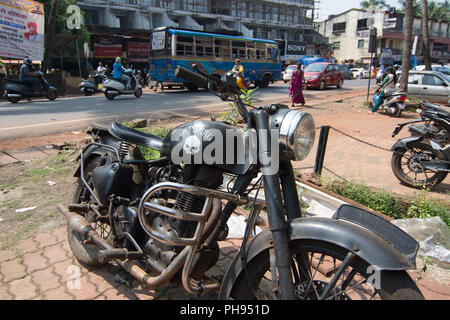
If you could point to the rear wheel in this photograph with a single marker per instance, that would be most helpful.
(265, 81)
(51, 95)
(339, 85)
(191, 87)
(86, 254)
(407, 165)
(13, 99)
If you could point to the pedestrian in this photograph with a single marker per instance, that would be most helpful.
(296, 86)
(101, 69)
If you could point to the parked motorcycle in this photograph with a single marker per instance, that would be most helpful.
(16, 89)
(423, 159)
(162, 219)
(114, 87)
(394, 101)
(92, 85)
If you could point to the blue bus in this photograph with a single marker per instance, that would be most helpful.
(214, 53)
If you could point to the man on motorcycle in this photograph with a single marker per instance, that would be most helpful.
(238, 72)
(119, 73)
(26, 75)
(389, 81)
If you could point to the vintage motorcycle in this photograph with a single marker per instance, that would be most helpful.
(423, 159)
(162, 219)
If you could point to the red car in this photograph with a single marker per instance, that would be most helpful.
(323, 74)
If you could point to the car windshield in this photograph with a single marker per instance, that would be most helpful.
(315, 67)
(444, 70)
(291, 68)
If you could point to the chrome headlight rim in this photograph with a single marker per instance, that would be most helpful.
(292, 124)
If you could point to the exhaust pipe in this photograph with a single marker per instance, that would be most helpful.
(83, 227)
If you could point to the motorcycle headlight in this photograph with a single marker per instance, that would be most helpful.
(297, 133)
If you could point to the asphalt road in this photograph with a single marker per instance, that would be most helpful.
(43, 117)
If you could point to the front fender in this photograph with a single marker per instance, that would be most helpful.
(353, 236)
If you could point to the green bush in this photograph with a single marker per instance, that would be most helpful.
(149, 153)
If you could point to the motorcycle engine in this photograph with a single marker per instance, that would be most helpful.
(161, 254)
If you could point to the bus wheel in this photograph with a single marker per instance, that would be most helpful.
(265, 81)
(191, 87)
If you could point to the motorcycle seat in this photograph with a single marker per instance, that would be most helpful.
(29, 84)
(134, 136)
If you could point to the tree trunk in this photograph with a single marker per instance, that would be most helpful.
(49, 34)
(426, 38)
(407, 44)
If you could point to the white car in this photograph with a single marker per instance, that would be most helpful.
(287, 74)
(360, 73)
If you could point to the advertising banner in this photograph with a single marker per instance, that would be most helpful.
(138, 50)
(295, 50)
(158, 40)
(22, 29)
(107, 47)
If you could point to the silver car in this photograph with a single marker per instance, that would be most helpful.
(432, 86)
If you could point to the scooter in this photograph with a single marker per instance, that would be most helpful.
(16, 89)
(89, 87)
(114, 87)
(394, 101)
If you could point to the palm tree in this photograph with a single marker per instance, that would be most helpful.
(366, 4)
(426, 38)
(407, 44)
(416, 5)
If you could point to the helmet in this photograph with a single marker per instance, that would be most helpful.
(28, 61)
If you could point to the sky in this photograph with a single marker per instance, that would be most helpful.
(327, 7)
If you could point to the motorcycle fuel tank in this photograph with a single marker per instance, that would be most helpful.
(212, 143)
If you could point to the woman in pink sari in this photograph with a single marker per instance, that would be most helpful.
(296, 86)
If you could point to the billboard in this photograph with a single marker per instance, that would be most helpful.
(107, 47)
(22, 29)
(295, 50)
(138, 50)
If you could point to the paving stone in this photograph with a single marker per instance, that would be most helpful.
(57, 294)
(60, 234)
(6, 159)
(86, 290)
(46, 239)
(6, 255)
(55, 254)
(27, 246)
(45, 279)
(12, 270)
(4, 294)
(34, 261)
(23, 289)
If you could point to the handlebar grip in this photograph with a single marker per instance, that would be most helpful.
(190, 76)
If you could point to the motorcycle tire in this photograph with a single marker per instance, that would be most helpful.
(138, 93)
(109, 96)
(393, 285)
(397, 167)
(51, 95)
(13, 99)
(86, 254)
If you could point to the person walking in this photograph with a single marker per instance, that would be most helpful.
(101, 69)
(296, 86)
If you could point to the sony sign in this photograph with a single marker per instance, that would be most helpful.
(295, 48)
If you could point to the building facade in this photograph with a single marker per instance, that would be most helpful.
(265, 19)
(348, 34)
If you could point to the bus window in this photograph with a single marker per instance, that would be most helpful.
(203, 47)
(222, 48)
(185, 46)
(251, 54)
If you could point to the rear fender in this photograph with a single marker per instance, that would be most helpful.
(370, 237)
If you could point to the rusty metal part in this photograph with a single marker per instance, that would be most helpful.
(83, 227)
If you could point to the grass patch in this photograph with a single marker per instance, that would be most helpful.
(149, 153)
(421, 206)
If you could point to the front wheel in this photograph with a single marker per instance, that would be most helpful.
(407, 165)
(313, 266)
(109, 95)
(138, 93)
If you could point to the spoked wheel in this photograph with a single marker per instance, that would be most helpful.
(407, 165)
(324, 271)
(87, 254)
